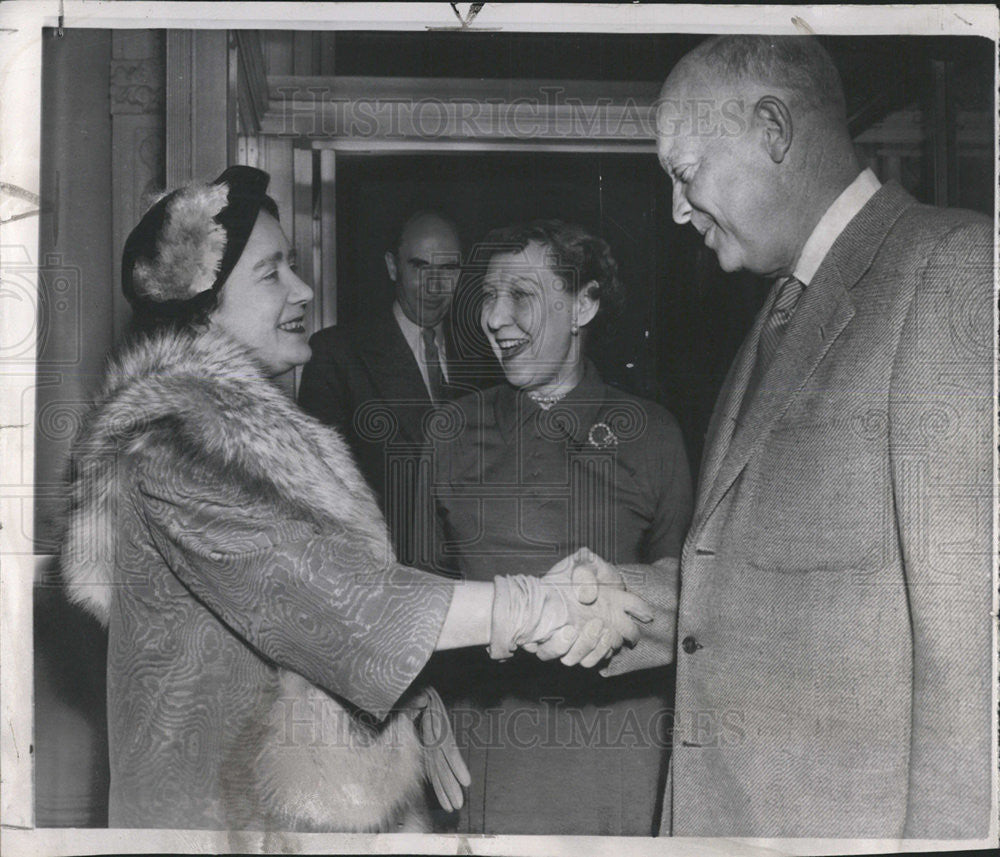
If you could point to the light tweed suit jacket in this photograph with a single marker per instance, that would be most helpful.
(834, 633)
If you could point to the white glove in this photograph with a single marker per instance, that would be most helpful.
(444, 766)
(546, 615)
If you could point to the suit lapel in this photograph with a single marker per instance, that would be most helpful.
(395, 375)
(723, 422)
(824, 311)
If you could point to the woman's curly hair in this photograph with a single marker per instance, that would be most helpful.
(584, 257)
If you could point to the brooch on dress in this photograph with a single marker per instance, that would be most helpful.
(601, 436)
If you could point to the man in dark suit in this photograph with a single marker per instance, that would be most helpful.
(834, 629)
(377, 379)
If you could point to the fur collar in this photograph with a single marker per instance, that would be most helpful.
(203, 395)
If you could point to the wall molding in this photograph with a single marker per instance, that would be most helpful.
(355, 113)
(137, 85)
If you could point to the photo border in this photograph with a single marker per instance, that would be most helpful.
(21, 24)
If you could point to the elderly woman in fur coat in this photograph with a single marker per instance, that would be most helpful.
(262, 636)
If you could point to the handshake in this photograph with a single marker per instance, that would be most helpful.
(578, 612)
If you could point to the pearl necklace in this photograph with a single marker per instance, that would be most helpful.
(546, 402)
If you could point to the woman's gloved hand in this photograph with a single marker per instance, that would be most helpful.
(569, 613)
(590, 574)
(444, 766)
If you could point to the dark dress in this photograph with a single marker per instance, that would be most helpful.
(555, 750)
(364, 381)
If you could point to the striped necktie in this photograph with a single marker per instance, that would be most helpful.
(787, 293)
(435, 377)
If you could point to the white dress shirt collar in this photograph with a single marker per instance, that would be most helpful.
(833, 222)
(412, 335)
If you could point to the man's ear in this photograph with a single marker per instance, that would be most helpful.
(588, 302)
(390, 265)
(773, 116)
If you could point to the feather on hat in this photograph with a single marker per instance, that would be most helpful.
(189, 241)
(189, 248)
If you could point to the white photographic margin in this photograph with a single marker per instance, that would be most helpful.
(21, 23)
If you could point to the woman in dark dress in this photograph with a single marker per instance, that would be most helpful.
(553, 461)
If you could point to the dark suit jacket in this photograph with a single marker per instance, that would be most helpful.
(364, 380)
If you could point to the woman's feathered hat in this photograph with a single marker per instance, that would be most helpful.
(187, 244)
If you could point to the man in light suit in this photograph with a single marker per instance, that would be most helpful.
(834, 636)
(377, 379)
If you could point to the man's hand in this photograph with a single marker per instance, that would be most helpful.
(590, 572)
(579, 612)
(591, 575)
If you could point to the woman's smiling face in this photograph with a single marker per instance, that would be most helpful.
(528, 315)
(262, 303)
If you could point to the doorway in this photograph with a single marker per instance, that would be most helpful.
(666, 345)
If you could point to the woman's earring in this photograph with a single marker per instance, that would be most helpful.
(574, 328)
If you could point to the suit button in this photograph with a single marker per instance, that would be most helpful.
(690, 645)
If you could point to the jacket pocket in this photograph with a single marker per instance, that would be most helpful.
(818, 497)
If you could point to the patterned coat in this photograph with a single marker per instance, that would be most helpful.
(260, 629)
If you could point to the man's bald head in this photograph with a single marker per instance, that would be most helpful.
(426, 222)
(752, 132)
(425, 266)
(797, 66)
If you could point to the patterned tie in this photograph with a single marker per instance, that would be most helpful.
(435, 377)
(788, 291)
